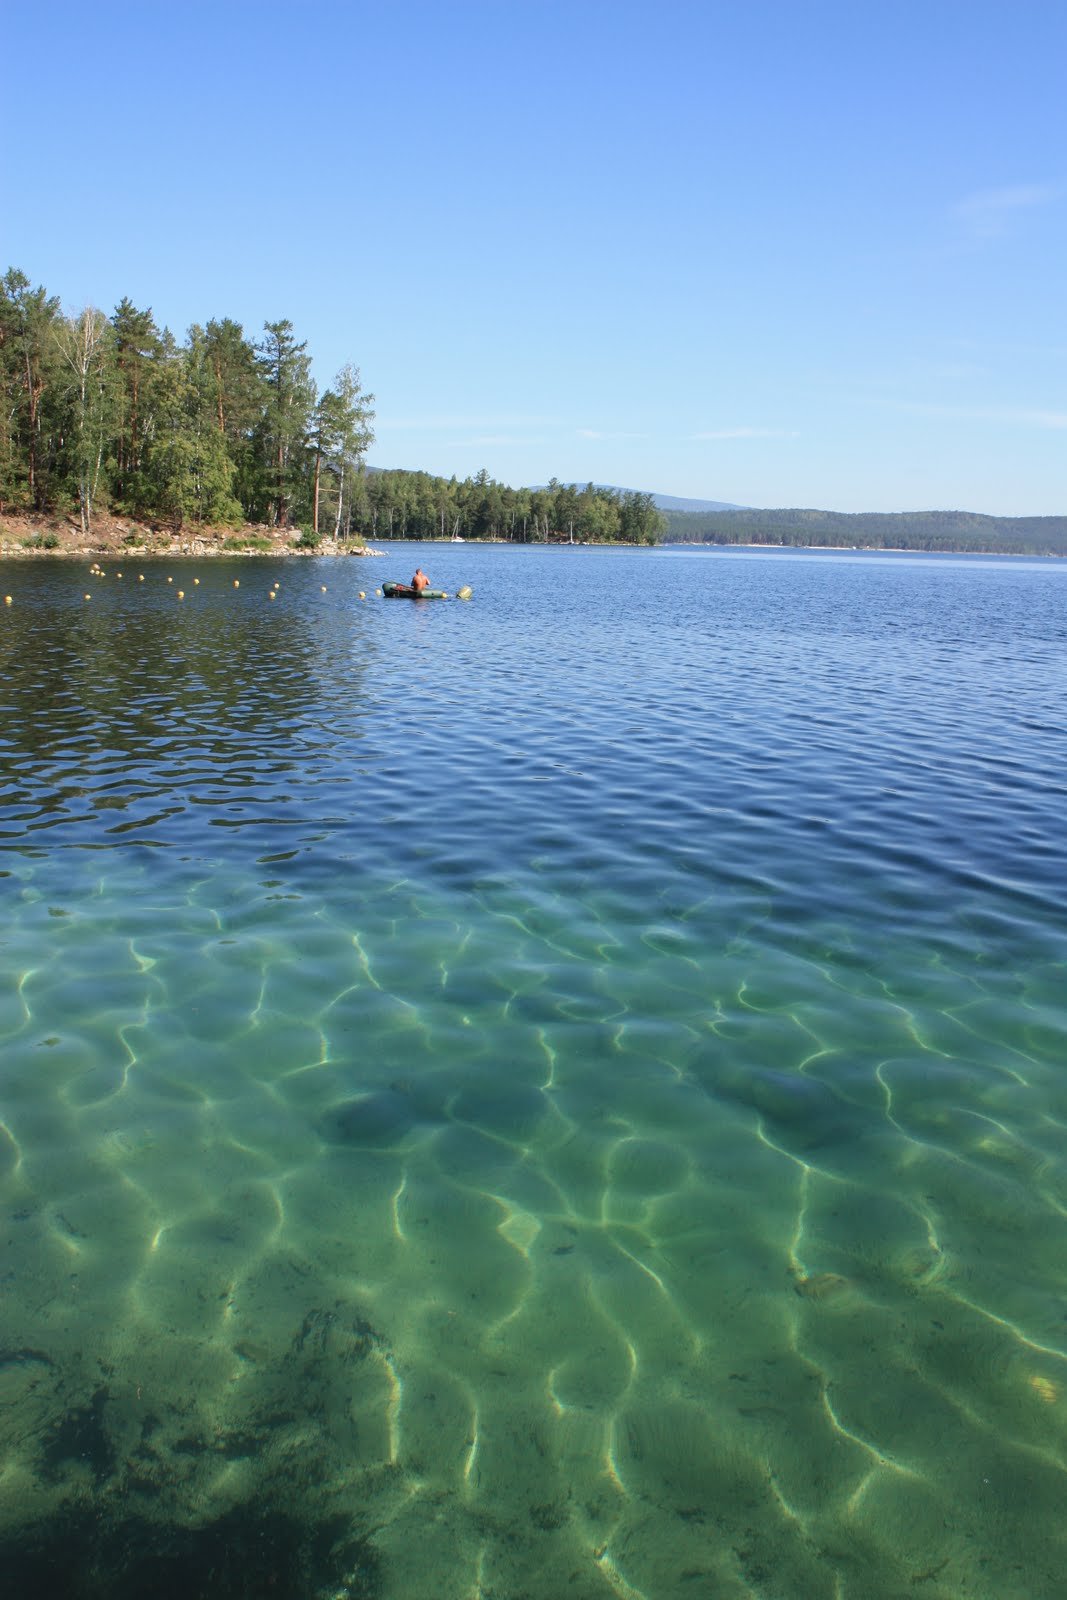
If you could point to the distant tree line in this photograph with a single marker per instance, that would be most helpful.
(906, 530)
(414, 505)
(112, 413)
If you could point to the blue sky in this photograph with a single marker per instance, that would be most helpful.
(771, 253)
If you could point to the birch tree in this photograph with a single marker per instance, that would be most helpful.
(354, 434)
(84, 345)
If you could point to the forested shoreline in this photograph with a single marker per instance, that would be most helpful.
(416, 505)
(947, 531)
(111, 417)
(225, 440)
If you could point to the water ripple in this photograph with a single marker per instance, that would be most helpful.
(558, 1095)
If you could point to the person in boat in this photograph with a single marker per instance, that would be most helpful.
(420, 581)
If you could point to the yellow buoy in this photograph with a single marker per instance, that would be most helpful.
(362, 596)
(273, 595)
(118, 574)
(88, 597)
(323, 588)
(170, 580)
(237, 583)
(7, 599)
(140, 577)
(195, 580)
(377, 591)
(181, 594)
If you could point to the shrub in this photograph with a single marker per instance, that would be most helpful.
(246, 542)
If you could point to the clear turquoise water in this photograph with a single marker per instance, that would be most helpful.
(558, 1095)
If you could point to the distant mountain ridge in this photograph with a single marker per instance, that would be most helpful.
(662, 502)
(671, 502)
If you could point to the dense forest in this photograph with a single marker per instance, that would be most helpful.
(112, 414)
(906, 530)
(414, 505)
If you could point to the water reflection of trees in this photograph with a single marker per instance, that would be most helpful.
(138, 694)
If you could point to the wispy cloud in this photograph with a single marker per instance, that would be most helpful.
(1007, 416)
(748, 433)
(989, 213)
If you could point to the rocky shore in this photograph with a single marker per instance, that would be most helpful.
(23, 535)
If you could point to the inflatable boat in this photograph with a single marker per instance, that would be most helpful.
(404, 591)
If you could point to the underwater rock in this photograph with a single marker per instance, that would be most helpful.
(805, 1111)
(378, 1120)
(821, 1285)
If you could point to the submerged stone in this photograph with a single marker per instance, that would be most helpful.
(379, 1120)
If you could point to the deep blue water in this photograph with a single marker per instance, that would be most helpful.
(559, 1094)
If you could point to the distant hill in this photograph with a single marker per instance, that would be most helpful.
(662, 502)
(673, 502)
(871, 530)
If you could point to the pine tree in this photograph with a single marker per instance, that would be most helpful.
(27, 368)
(188, 473)
(137, 348)
(232, 387)
(290, 397)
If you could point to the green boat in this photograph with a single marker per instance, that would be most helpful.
(404, 591)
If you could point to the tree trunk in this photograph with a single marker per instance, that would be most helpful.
(218, 394)
(340, 500)
(282, 511)
(34, 390)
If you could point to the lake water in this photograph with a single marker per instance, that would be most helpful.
(558, 1095)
